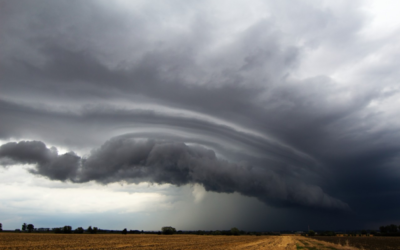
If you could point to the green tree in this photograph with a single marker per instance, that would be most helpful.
(235, 231)
(95, 229)
(217, 232)
(90, 230)
(311, 233)
(24, 227)
(124, 231)
(30, 227)
(168, 230)
(67, 229)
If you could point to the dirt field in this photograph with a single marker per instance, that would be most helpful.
(151, 242)
(367, 243)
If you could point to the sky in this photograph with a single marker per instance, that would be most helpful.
(262, 115)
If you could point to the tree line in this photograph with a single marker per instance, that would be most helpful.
(66, 229)
(389, 230)
(164, 230)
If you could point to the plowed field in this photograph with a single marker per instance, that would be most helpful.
(152, 242)
(367, 243)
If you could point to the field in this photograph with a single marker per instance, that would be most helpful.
(151, 242)
(367, 243)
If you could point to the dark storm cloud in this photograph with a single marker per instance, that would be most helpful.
(75, 75)
(123, 159)
(48, 162)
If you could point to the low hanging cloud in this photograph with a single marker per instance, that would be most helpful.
(136, 161)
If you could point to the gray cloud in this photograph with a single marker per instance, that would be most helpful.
(292, 89)
(133, 161)
(48, 162)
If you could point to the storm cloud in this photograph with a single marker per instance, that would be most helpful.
(135, 161)
(294, 103)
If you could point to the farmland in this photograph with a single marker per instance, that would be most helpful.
(150, 242)
(367, 243)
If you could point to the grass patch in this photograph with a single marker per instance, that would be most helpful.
(304, 242)
(312, 248)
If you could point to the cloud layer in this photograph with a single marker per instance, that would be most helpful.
(135, 161)
(274, 100)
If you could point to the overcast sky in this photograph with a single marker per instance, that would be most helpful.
(261, 115)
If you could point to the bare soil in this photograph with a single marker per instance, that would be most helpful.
(367, 243)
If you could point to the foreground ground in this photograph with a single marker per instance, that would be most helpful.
(367, 243)
(151, 242)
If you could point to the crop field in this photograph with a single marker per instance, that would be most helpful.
(147, 242)
(367, 243)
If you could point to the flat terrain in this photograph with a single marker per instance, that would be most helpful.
(367, 243)
(147, 242)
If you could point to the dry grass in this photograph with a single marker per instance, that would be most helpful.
(313, 244)
(109, 241)
(152, 242)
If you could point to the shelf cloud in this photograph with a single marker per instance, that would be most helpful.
(133, 161)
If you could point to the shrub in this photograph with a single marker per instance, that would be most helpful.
(235, 231)
(168, 230)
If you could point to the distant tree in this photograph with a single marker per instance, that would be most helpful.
(79, 230)
(363, 231)
(168, 230)
(95, 229)
(383, 229)
(24, 227)
(235, 231)
(30, 227)
(90, 230)
(124, 231)
(392, 228)
(311, 233)
(217, 232)
(1, 227)
(67, 229)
